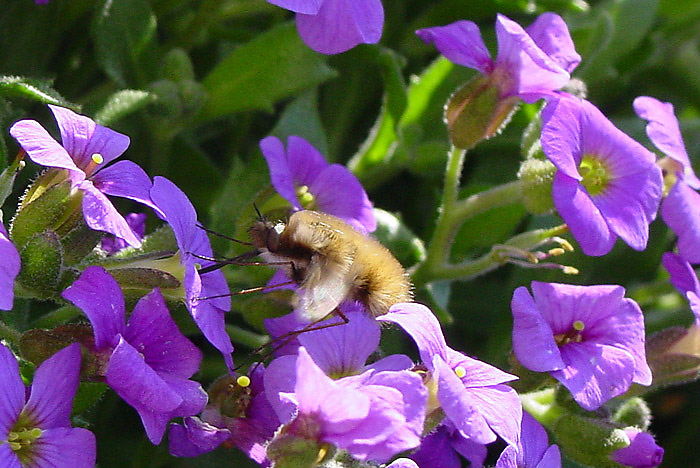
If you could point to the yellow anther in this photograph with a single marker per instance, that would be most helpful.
(243, 381)
(460, 371)
(97, 158)
(578, 325)
(556, 251)
(569, 270)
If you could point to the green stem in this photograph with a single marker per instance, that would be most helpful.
(9, 334)
(453, 214)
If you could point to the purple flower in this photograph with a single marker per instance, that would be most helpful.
(533, 451)
(590, 338)
(87, 149)
(148, 361)
(642, 452)
(249, 425)
(681, 207)
(530, 63)
(444, 445)
(36, 432)
(8, 270)
(373, 416)
(208, 312)
(607, 185)
(471, 393)
(334, 26)
(137, 223)
(302, 172)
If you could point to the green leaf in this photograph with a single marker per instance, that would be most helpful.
(301, 118)
(124, 33)
(121, 104)
(33, 89)
(273, 66)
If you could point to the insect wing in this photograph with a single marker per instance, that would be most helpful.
(319, 300)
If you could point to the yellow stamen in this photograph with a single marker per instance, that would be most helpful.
(460, 371)
(243, 381)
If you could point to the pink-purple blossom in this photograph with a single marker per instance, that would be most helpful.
(9, 269)
(39, 417)
(471, 393)
(389, 400)
(207, 295)
(607, 185)
(680, 209)
(149, 362)
(301, 171)
(589, 338)
(85, 152)
(530, 64)
(334, 26)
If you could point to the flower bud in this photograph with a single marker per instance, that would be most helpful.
(642, 452)
(536, 176)
(633, 412)
(476, 112)
(295, 446)
(42, 266)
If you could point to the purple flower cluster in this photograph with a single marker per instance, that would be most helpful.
(323, 392)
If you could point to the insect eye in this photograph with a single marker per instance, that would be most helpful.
(273, 238)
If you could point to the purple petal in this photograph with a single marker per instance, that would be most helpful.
(340, 25)
(461, 43)
(280, 169)
(680, 210)
(101, 215)
(664, 132)
(500, 406)
(304, 160)
(458, 405)
(584, 219)
(42, 148)
(137, 383)
(195, 437)
(561, 134)
(9, 269)
(414, 396)
(12, 391)
(212, 322)
(350, 203)
(280, 378)
(509, 459)
(8, 457)
(436, 450)
(419, 322)
(533, 339)
(310, 7)
(477, 373)
(125, 179)
(683, 277)
(595, 373)
(340, 409)
(533, 441)
(343, 349)
(98, 295)
(53, 389)
(66, 448)
(194, 398)
(551, 458)
(395, 362)
(551, 34)
(533, 70)
(82, 137)
(155, 335)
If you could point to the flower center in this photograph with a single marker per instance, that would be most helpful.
(573, 335)
(21, 437)
(460, 371)
(595, 175)
(95, 160)
(306, 198)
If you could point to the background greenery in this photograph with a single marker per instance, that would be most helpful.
(197, 83)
